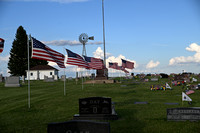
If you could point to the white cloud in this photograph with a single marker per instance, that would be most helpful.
(100, 54)
(152, 64)
(59, 1)
(193, 48)
(68, 42)
(189, 59)
(3, 65)
(109, 58)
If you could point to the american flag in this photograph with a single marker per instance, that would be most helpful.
(77, 60)
(189, 92)
(1, 45)
(43, 52)
(127, 64)
(94, 63)
(114, 65)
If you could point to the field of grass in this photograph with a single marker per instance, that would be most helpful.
(48, 104)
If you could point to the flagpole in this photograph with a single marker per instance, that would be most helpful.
(76, 75)
(29, 103)
(64, 82)
(64, 74)
(82, 78)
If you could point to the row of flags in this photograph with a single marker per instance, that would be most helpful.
(43, 52)
(125, 64)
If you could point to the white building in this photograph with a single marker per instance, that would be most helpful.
(40, 71)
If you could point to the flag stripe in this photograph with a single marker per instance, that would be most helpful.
(127, 64)
(43, 52)
(75, 59)
(94, 63)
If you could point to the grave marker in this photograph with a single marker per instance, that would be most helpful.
(100, 108)
(154, 79)
(12, 81)
(183, 114)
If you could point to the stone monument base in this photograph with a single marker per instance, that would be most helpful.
(102, 74)
(12, 85)
(99, 81)
(96, 117)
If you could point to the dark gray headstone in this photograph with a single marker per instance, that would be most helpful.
(98, 108)
(95, 105)
(78, 126)
(12, 81)
(182, 114)
(172, 103)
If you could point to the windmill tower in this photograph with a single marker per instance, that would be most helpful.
(83, 38)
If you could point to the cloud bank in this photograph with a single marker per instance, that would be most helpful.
(152, 64)
(189, 59)
(68, 42)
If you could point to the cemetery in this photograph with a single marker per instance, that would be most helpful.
(109, 108)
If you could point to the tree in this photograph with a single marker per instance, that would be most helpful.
(18, 61)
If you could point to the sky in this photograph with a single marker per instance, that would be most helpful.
(159, 36)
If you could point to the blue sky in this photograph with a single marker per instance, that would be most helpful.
(158, 35)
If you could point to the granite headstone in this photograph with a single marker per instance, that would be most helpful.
(182, 114)
(96, 108)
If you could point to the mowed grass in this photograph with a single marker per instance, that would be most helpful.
(48, 104)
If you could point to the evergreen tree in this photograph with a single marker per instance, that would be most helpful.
(18, 61)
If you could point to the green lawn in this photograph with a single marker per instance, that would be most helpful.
(48, 104)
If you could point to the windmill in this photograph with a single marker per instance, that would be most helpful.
(83, 38)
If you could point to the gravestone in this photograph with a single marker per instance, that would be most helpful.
(56, 77)
(79, 126)
(70, 78)
(12, 81)
(48, 79)
(63, 77)
(154, 79)
(183, 114)
(23, 79)
(100, 108)
(172, 103)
